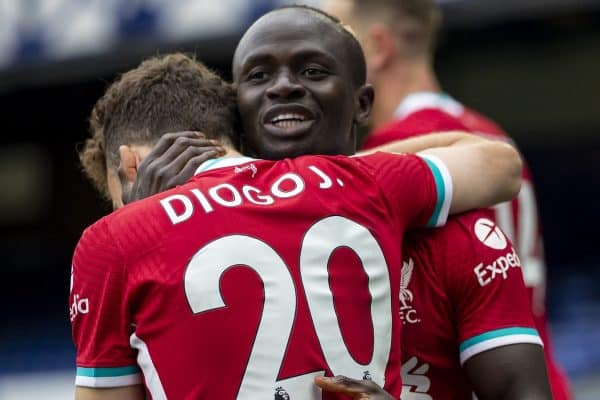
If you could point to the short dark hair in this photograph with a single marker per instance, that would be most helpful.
(163, 94)
(418, 21)
(359, 66)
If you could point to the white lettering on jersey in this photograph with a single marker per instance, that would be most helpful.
(259, 199)
(215, 194)
(180, 207)
(79, 306)
(407, 312)
(188, 208)
(487, 273)
(290, 177)
(327, 182)
(415, 383)
(202, 289)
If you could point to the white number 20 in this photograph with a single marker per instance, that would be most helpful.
(320, 241)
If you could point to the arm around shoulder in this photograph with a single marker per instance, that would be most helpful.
(134, 392)
(483, 172)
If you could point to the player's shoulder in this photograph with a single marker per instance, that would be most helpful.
(465, 237)
(477, 122)
(419, 122)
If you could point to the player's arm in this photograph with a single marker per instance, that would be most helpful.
(500, 348)
(513, 372)
(100, 317)
(483, 172)
(426, 141)
(135, 392)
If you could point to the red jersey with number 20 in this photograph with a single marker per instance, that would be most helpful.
(253, 278)
(422, 113)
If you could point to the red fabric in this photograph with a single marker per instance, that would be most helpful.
(522, 215)
(132, 266)
(446, 303)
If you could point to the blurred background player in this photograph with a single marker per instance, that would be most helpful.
(398, 38)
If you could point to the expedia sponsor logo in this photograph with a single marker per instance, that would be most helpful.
(490, 234)
(499, 268)
(79, 306)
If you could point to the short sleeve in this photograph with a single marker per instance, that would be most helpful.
(418, 187)
(485, 283)
(100, 322)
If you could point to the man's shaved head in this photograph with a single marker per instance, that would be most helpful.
(301, 85)
(354, 52)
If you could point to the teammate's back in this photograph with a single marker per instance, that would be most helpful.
(258, 274)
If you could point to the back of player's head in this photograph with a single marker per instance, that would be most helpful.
(415, 22)
(354, 51)
(163, 94)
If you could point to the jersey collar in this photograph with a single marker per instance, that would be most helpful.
(422, 100)
(221, 163)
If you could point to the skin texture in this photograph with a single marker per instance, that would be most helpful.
(353, 388)
(515, 372)
(171, 162)
(135, 392)
(291, 61)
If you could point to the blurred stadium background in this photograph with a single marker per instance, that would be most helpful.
(533, 65)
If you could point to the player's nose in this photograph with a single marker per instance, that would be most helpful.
(285, 86)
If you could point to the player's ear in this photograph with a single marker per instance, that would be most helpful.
(128, 165)
(382, 46)
(365, 95)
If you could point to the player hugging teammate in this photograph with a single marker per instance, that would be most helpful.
(257, 278)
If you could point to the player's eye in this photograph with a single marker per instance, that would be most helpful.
(256, 76)
(315, 73)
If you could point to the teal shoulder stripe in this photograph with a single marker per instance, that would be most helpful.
(107, 372)
(207, 164)
(441, 192)
(496, 334)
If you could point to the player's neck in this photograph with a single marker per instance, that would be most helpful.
(398, 81)
(230, 152)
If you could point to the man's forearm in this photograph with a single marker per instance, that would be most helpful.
(424, 142)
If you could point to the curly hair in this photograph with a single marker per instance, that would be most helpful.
(163, 94)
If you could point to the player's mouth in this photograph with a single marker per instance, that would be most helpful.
(288, 121)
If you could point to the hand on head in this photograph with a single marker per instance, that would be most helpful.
(171, 162)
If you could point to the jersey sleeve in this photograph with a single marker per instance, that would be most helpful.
(100, 322)
(485, 284)
(418, 187)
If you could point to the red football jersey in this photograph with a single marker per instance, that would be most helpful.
(422, 113)
(461, 293)
(253, 278)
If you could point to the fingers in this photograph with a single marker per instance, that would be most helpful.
(174, 171)
(192, 165)
(182, 144)
(356, 389)
(172, 162)
(167, 140)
